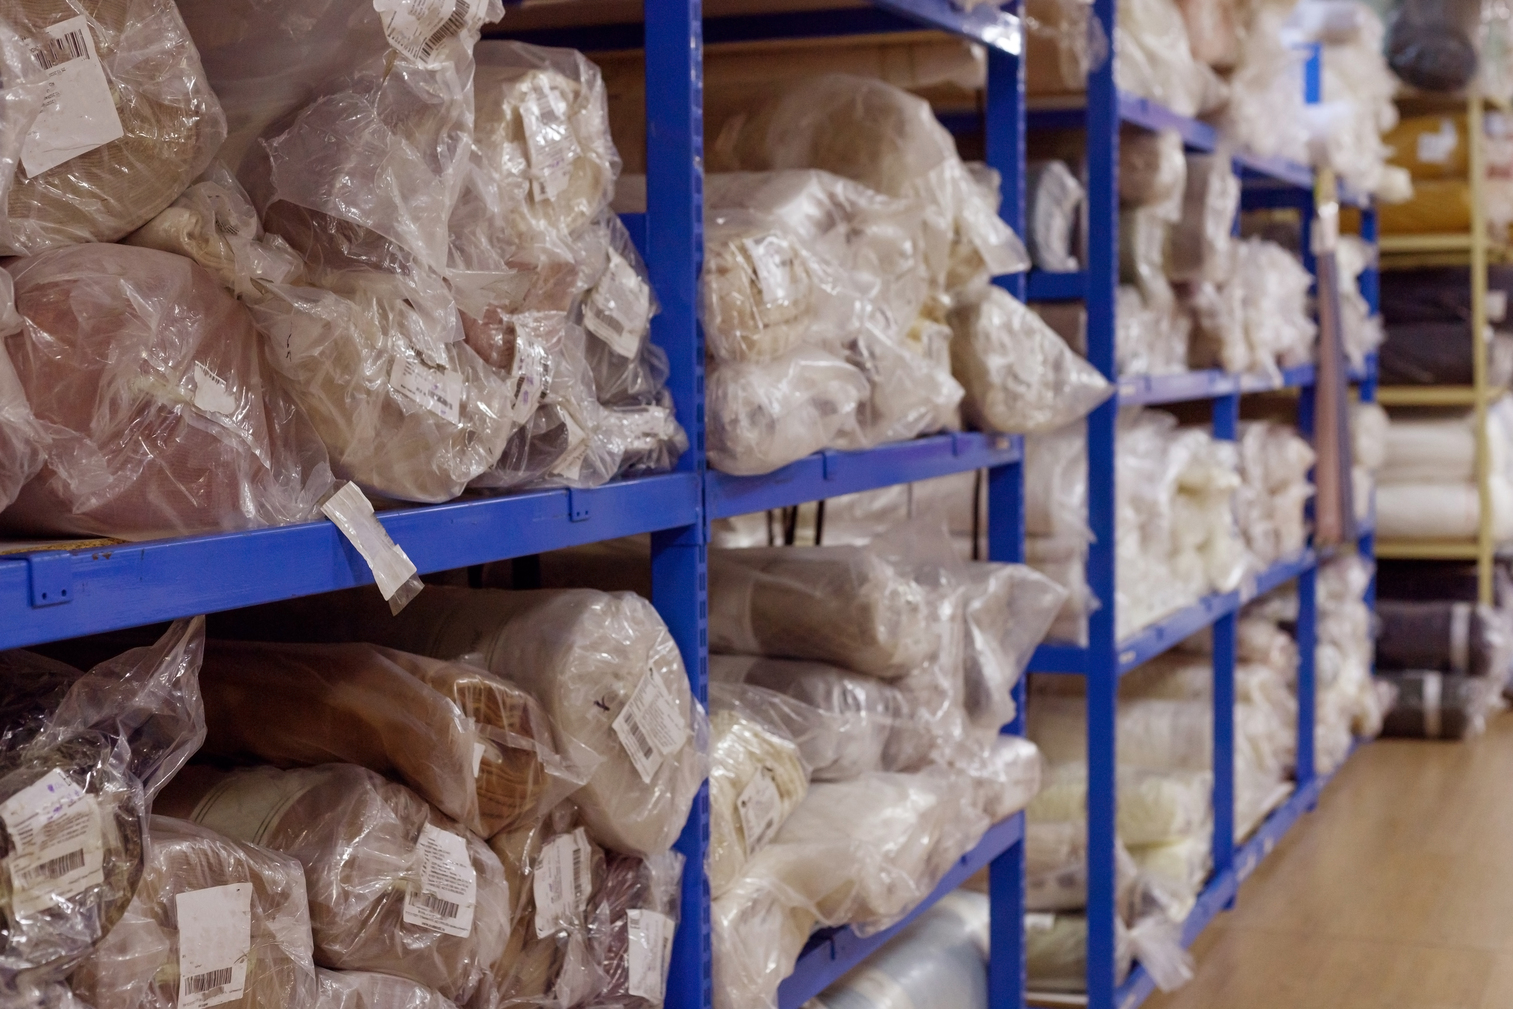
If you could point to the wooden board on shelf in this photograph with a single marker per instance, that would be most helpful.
(1431, 395)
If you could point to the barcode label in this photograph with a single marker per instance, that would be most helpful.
(648, 951)
(453, 26)
(53, 868)
(650, 726)
(550, 144)
(205, 982)
(419, 28)
(215, 943)
(56, 841)
(60, 50)
(448, 891)
(562, 881)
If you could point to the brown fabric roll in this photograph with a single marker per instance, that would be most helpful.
(137, 966)
(405, 716)
(630, 885)
(172, 121)
(363, 843)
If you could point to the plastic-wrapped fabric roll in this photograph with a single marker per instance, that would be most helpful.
(160, 420)
(844, 605)
(150, 123)
(1063, 42)
(1447, 637)
(939, 962)
(756, 780)
(1219, 338)
(1433, 705)
(475, 746)
(628, 369)
(1155, 58)
(1201, 243)
(1009, 607)
(22, 438)
(1056, 867)
(1439, 353)
(1154, 806)
(1055, 207)
(554, 872)
(631, 926)
(913, 390)
(1056, 952)
(763, 417)
(360, 989)
(1176, 869)
(1152, 171)
(858, 714)
(1438, 205)
(1214, 28)
(393, 884)
(1433, 43)
(1144, 247)
(195, 886)
(104, 743)
(1019, 375)
(1006, 777)
(1441, 294)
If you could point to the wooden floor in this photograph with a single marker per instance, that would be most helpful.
(1396, 892)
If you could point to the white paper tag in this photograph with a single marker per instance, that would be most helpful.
(438, 390)
(775, 264)
(648, 952)
(448, 885)
(215, 938)
(1039, 921)
(211, 394)
(619, 308)
(418, 28)
(478, 751)
(563, 878)
(1497, 306)
(351, 512)
(78, 111)
(1436, 148)
(549, 141)
(649, 727)
(57, 844)
(570, 465)
(759, 805)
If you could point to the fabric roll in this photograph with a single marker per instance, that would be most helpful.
(1433, 705)
(1449, 637)
(360, 989)
(1439, 353)
(757, 778)
(632, 923)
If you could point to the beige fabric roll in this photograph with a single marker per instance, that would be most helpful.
(756, 780)
(171, 120)
(138, 966)
(379, 893)
(361, 989)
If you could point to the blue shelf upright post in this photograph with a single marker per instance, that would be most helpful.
(1004, 132)
(1226, 421)
(675, 250)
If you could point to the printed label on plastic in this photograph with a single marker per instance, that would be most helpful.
(78, 111)
(438, 390)
(570, 466)
(249, 806)
(1039, 921)
(563, 878)
(57, 845)
(211, 394)
(648, 952)
(478, 751)
(549, 141)
(419, 28)
(619, 308)
(759, 805)
(215, 938)
(776, 268)
(448, 889)
(649, 727)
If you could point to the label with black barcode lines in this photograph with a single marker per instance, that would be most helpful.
(215, 944)
(760, 807)
(419, 28)
(56, 841)
(650, 727)
(447, 892)
(78, 110)
(550, 145)
(562, 881)
(648, 952)
(438, 390)
(619, 308)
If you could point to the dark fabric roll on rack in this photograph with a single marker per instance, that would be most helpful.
(1428, 581)
(1450, 637)
(1439, 353)
(1432, 705)
(1439, 294)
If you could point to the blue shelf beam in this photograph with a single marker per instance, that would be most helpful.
(830, 474)
(832, 952)
(143, 583)
(1045, 286)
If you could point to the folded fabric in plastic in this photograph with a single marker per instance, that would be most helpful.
(1448, 637)
(1434, 705)
(1005, 777)
(1154, 806)
(631, 927)
(763, 417)
(393, 883)
(757, 778)
(850, 606)
(361, 989)
(1155, 59)
(211, 915)
(477, 747)
(82, 755)
(1055, 199)
(141, 122)
(1439, 353)
(150, 385)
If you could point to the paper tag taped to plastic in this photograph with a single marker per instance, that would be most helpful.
(776, 268)
(620, 307)
(648, 952)
(759, 805)
(1436, 148)
(562, 881)
(438, 390)
(570, 465)
(57, 845)
(1039, 921)
(78, 111)
(211, 394)
(479, 749)
(351, 512)
(448, 889)
(649, 727)
(549, 141)
(215, 938)
(418, 28)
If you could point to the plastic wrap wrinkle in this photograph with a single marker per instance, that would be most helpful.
(632, 922)
(359, 989)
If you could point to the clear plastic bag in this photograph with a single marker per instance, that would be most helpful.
(631, 928)
(1005, 778)
(1008, 608)
(105, 742)
(195, 879)
(1055, 211)
(361, 989)
(1154, 806)
(22, 439)
(137, 123)
(757, 777)
(474, 745)
(1056, 868)
(1265, 112)
(1201, 243)
(851, 606)
(913, 390)
(1153, 58)
(394, 885)
(1064, 42)
(1153, 171)
(159, 416)
(23, 96)
(762, 417)
(1020, 376)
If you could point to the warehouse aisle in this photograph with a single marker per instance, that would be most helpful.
(1396, 892)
